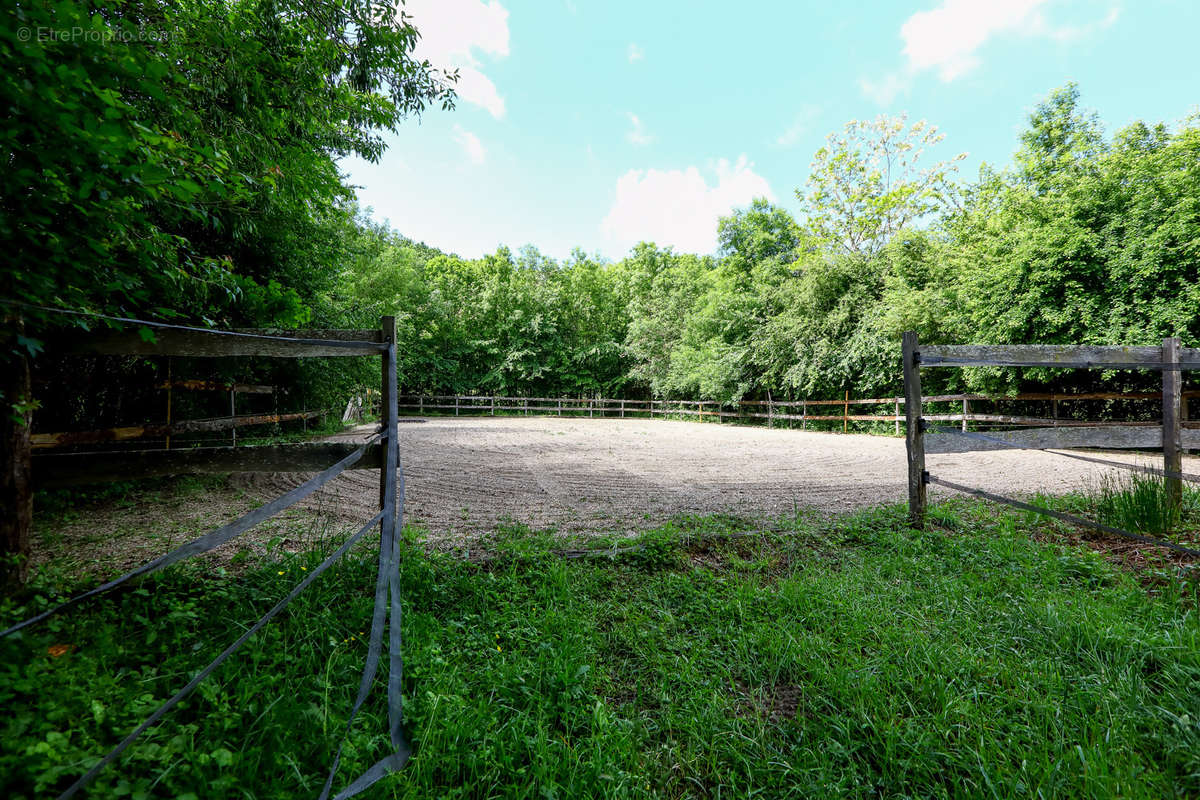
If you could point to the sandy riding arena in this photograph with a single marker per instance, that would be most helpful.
(465, 475)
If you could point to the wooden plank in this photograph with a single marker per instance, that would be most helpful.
(1057, 438)
(42, 441)
(465, 401)
(1172, 430)
(1055, 396)
(1009, 419)
(1068, 518)
(374, 335)
(914, 437)
(211, 344)
(52, 470)
(1068, 356)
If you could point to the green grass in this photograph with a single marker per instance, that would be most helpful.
(856, 658)
(1139, 502)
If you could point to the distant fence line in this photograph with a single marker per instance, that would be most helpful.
(772, 410)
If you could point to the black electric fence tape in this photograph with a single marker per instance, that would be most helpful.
(349, 345)
(1070, 518)
(387, 582)
(211, 540)
(228, 651)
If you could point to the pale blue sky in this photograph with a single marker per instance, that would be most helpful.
(599, 124)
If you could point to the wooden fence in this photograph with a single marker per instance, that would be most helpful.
(51, 469)
(1173, 434)
(380, 451)
(772, 411)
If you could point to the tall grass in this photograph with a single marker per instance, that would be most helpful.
(1136, 501)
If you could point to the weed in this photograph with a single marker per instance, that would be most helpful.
(1138, 502)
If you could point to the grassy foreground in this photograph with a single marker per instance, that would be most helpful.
(849, 659)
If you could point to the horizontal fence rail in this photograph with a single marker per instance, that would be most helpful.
(216, 386)
(1055, 356)
(56, 470)
(43, 441)
(1133, 436)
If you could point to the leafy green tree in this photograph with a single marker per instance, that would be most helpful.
(179, 159)
(865, 184)
(666, 289)
(1062, 144)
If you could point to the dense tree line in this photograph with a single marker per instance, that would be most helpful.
(1085, 238)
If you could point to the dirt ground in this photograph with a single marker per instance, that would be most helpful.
(465, 475)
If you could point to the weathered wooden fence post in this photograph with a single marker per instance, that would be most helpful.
(389, 417)
(233, 416)
(16, 478)
(846, 413)
(966, 411)
(897, 416)
(1172, 430)
(914, 436)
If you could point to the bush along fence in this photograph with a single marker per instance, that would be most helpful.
(380, 451)
(1171, 359)
(823, 413)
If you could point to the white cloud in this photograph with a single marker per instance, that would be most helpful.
(637, 135)
(678, 207)
(470, 144)
(947, 39)
(884, 91)
(453, 33)
(801, 124)
(1069, 33)
(635, 53)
